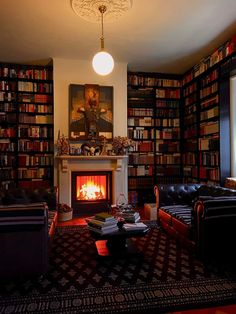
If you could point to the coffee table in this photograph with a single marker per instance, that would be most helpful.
(118, 243)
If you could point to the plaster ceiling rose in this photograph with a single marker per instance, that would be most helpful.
(89, 9)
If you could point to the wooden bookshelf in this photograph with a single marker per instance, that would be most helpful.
(26, 133)
(153, 123)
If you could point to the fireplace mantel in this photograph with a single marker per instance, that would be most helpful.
(65, 160)
(66, 164)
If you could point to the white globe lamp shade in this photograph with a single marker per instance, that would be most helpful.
(103, 63)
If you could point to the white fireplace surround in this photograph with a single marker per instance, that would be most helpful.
(116, 164)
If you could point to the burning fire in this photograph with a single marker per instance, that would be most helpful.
(90, 191)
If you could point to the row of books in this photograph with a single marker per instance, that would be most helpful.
(35, 87)
(7, 132)
(145, 121)
(189, 89)
(7, 146)
(209, 90)
(38, 98)
(210, 102)
(174, 104)
(168, 93)
(167, 122)
(141, 170)
(140, 112)
(8, 86)
(167, 113)
(24, 173)
(7, 96)
(27, 160)
(141, 158)
(209, 114)
(190, 99)
(37, 131)
(35, 146)
(210, 78)
(134, 79)
(140, 133)
(7, 161)
(7, 106)
(40, 119)
(219, 54)
(168, 134)
(17, 72)
(35, 108)
(190, 109)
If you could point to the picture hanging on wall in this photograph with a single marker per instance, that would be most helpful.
(90, 112)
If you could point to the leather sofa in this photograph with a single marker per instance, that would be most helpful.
(202, 217)
(27, 223)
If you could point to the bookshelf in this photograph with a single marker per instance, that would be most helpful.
(26, 133)
(153, 123)
(206, 121)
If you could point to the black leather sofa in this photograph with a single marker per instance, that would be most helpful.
(202, 217)
(27, 222)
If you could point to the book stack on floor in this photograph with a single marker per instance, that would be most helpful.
(103, 223)
(130, 216)
(134, 226)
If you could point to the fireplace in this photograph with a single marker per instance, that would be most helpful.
(91, 191)
(114, 167)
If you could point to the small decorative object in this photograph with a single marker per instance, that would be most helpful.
(91, 148)
(104, 146)
(63, 146)
(121, 145)
(65, 212)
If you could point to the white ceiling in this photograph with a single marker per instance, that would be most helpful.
(166, 36)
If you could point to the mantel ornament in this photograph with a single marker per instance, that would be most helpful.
(122, 144)
(91, 148)
(63, 146)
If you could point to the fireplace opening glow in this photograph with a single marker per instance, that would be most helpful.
(91, 188)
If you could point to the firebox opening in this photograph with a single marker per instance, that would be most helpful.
(91, 191)
(91, 188)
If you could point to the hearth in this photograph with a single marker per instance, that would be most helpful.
(91, 192)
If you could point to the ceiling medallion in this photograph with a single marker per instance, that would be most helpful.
(89, 9)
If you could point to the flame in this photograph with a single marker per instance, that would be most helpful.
(90, 191)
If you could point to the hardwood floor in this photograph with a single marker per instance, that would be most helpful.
(229, 309)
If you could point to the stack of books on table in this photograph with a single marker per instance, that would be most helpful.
(134, 226)
(130, 215)
(103, 223)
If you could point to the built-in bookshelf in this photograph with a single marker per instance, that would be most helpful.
(153, 123)
(205, 122)
(26, 132)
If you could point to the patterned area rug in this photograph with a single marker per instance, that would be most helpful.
(165, 277)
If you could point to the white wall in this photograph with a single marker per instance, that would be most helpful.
(67, 71)
(233, 125)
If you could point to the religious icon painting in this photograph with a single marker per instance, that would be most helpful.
(90, 112)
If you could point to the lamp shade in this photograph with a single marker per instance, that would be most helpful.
(103, 63)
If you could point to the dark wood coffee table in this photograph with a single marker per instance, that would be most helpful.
(118, 243)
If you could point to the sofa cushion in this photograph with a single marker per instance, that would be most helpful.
(181, 212)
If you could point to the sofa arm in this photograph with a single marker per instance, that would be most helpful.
(23, 240)
(215, 220)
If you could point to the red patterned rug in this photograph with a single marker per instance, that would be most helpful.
(165, 277)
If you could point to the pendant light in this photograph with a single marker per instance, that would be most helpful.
(103, 62)
(99, 11)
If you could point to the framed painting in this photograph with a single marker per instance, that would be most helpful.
(90, 112)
